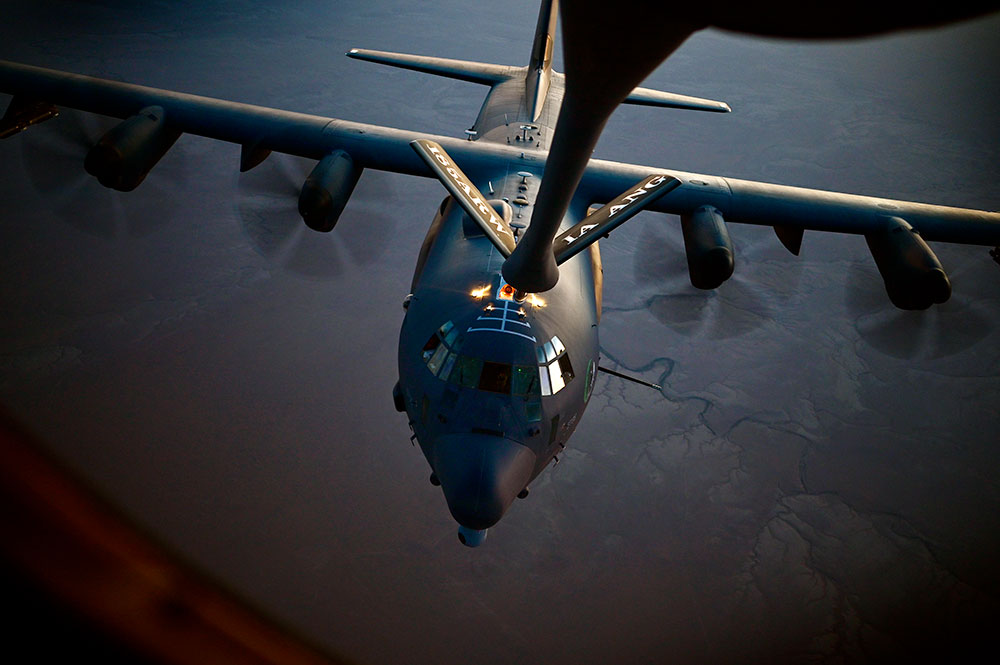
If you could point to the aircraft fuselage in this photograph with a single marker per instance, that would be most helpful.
(494, 384)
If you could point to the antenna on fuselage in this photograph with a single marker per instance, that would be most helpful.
(654, 386)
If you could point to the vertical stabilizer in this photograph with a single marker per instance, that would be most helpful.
(540, 65)
(545, 36)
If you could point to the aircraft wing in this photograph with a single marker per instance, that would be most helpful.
(343, 148)
(388, 149)
(258, 129)
(765, 204)
(347, 147)
(244, 124)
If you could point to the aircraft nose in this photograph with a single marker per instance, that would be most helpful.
(480, 475)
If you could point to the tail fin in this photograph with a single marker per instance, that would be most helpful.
(536, 82)
(545, 36)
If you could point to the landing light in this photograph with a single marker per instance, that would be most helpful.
(535, 300)
(480, 293)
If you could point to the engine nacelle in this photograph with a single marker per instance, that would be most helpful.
(914, 278)
(123, 156)
(709, 249)
(327, 190)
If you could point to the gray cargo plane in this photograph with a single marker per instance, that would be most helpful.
(498, 350)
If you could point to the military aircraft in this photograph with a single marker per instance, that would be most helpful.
(499, 347)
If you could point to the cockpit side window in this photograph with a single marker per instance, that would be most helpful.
(446, 368)
(550, 352)
(566, 367)
(440, 350)
(430, 347)
(450, 334)
(554, 366)
(434, 364)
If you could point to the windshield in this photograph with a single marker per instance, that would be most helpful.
(550, 374)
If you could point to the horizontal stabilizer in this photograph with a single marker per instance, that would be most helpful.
(648, 97)
(603, 221)
(463, 70)
(468, 196)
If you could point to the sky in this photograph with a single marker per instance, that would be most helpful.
(816, 482)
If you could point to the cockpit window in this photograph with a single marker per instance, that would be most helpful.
(526, 380)
(556, 378)
(550, 352)
(450, 333)
(437, 359)
(566, 367)
(466, 371)
(430, 347)
(441, 355)
(554, 366)
(446, 368)
(495, 378)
